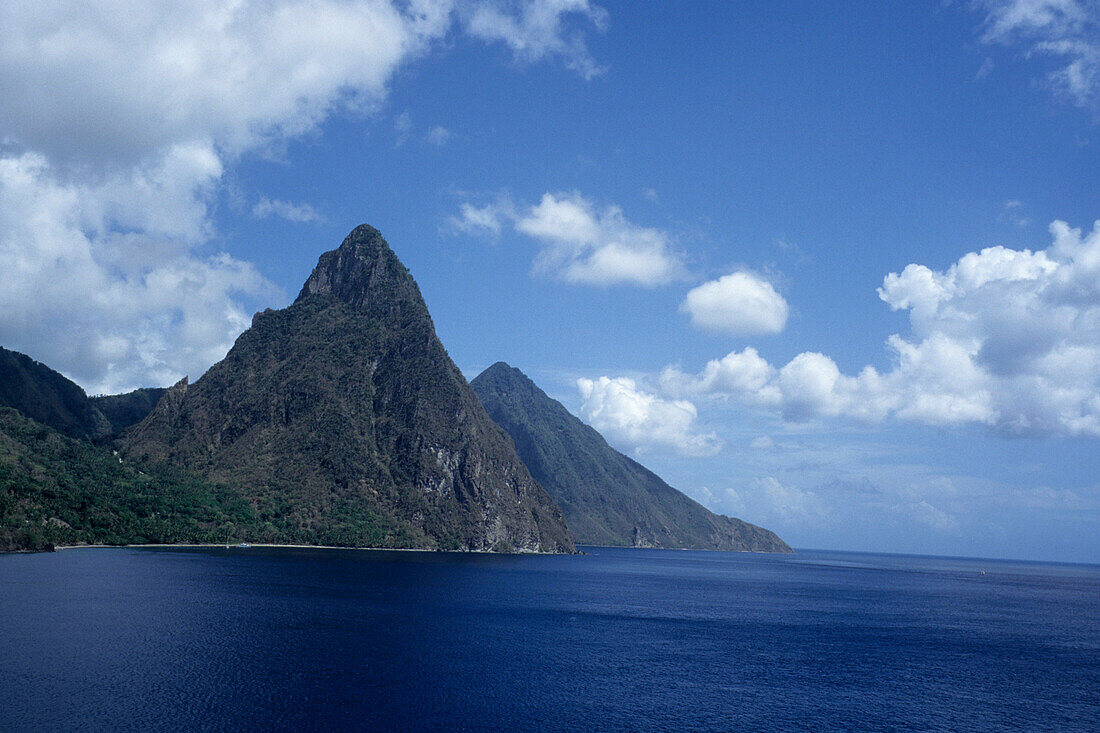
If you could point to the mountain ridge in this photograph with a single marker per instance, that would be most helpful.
(48, 397)
(607, 498)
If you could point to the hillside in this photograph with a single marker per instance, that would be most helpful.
(48, 397)
(606, 497)
(60, 490)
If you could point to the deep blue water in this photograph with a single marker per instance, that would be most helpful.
(278, 639)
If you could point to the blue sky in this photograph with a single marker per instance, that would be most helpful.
(829, 267)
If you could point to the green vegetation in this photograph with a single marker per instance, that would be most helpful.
(607, 498)
(56, 490)
(42, 394)
(124, 410)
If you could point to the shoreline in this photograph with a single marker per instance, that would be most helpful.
(251, 545)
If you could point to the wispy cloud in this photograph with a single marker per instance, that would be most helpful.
(539, 29)
(1065, 30)
(766, 499)
(402, 129)
(297, 213)
(438, 136)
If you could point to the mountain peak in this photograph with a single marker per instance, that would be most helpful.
(360, 271)
(502, 371)
(343, 417)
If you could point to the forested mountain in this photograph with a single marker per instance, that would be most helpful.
(344, 410)
(46, 396)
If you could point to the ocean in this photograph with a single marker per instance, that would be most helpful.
(274, 639)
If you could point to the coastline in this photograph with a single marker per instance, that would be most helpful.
(251, 545)
(200, 545)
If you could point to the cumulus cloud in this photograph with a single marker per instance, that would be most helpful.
(1067, 30)
(101, 279)
(118, 121)
(105, 187)
(741, 304)
(581, 243)
(298, 213)
(227, 73)
(584, 245)
(635, 419)
(1005, 338)
(535, 30)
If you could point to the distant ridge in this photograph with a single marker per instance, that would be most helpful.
(607, 498)
(124, 410)
(343, 415)
(46, 396)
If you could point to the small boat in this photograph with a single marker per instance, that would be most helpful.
(244, 545)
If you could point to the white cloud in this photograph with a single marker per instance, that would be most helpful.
(101, 279)
(635, 419)
(402, 128)
(1005, 338)
(767, 500)
(1068, 30)
(762, 442)
(1047, 498)
(439, 136)
(744, 374)
(581, 244)
(741, 304)
(597, 248)
(118, 121)
(534, 30)
(111, 81)
(298, 213)
(484, 220)
(928, 515)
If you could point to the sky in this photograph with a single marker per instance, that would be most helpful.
(833, 268)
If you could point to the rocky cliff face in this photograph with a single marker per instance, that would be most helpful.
(607, 498)
(344, 414)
